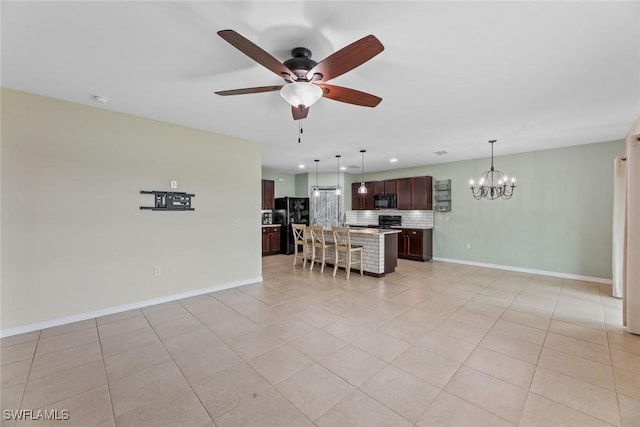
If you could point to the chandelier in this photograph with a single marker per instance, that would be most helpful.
(493, 183)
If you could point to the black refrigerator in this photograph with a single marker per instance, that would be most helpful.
(290, 210)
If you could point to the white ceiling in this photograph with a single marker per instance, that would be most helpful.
(453, 75)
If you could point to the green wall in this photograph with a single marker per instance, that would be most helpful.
(559, 219)
(302, 185)
(285, 183)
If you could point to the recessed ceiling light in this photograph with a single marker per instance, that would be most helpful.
(393, 160)
(440, 153)
(301, 166)
(100, 98)
(343, 168)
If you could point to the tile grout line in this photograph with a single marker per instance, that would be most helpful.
(541, 346)
(106, 377)
(26, 381)
(467, 358)
(460, 365)
(59, 372)
(613, 369)
(176, 363)
(238, 355)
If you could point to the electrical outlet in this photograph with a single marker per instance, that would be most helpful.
(174, 184)
(468, 245)
(156, 270)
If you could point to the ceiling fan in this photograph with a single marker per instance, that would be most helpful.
(305, 79)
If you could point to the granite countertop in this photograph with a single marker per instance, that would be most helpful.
(374, 231)
(393, 227)
(271, 225)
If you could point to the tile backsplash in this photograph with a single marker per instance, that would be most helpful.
(410, 219)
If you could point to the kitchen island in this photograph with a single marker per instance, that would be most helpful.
(379, 250)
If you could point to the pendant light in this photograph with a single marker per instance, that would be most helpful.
(338, 189)
(363, 188)
(316, 189)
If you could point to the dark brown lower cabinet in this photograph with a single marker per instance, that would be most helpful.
(415, 244)
(270, 240)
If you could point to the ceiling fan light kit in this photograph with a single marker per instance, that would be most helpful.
(304, 79)
(301, 94)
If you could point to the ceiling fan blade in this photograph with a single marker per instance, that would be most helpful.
(350, 96)
(249, 90)
(256, 53)
(347, 58)
(299, 113)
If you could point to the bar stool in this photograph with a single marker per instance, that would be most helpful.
(342, 239)
(300, 238)
(320, 245)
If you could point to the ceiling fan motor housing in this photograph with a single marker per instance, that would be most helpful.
(300, 63)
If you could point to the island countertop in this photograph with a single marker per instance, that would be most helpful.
(374, 231)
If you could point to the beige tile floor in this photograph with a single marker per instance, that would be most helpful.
(433, 344)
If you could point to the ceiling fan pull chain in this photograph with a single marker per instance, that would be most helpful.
(300, 130)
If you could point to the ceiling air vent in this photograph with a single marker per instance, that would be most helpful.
(440, 153)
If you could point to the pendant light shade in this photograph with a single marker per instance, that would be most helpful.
(316, 189)
(301, 94)
(338, 189)
(363, 188)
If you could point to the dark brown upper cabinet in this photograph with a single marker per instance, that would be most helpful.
(362, 201)
(268, 194)
(414, 193)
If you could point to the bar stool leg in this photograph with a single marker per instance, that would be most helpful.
(295, 253)
(313, 257)
(304, 256)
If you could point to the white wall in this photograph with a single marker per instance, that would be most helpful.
(74, 239)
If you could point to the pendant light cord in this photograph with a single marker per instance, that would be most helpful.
(300, 131)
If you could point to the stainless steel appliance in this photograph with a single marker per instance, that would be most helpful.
(290, 210)
(385, 201)
(384, 221)
(388, 221)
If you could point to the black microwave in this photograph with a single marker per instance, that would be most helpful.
(385, 201)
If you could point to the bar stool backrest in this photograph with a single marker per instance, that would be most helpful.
(316, 233)
(299, 231)
(341, 236)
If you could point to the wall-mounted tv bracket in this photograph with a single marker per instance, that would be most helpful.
(169, 201)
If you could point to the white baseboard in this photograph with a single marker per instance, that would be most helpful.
(119, 309)
(528, 270)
